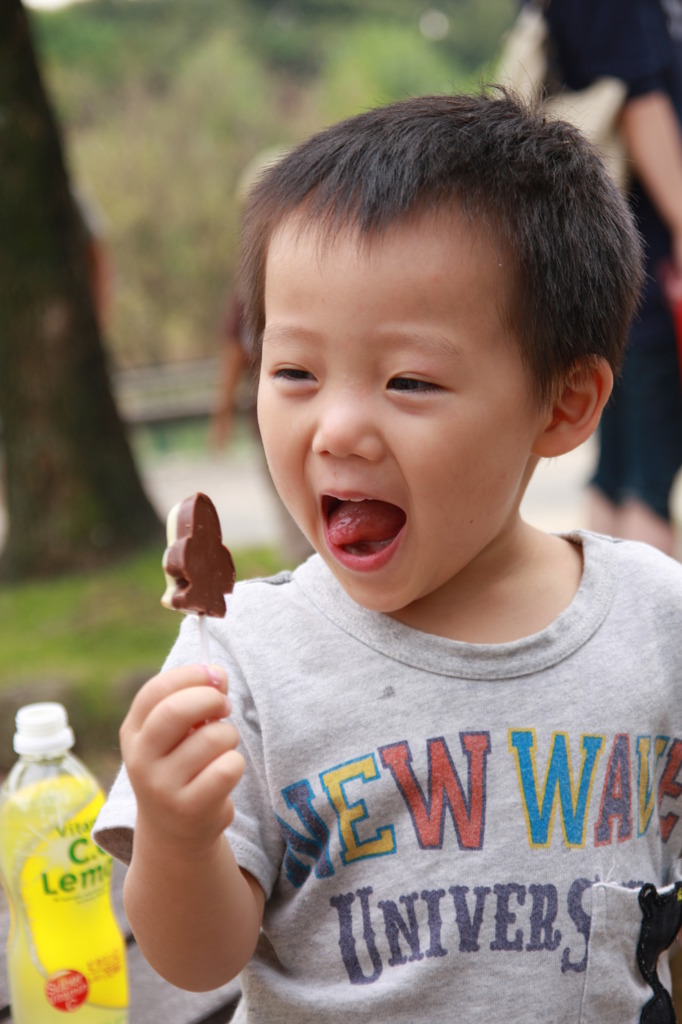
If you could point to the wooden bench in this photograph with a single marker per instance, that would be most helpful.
(152, 1000)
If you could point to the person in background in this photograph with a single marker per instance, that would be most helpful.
(236, 386)
(640, 42)
(96, 255)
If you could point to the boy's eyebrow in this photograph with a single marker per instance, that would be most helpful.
(390, 335)
(423, 338)
(276, 333)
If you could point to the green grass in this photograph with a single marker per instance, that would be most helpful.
(89, 640)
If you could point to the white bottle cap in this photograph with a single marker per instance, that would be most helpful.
(43, 729)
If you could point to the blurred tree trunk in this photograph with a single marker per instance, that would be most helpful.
(73, 494)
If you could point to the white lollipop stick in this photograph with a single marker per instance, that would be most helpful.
(203, 640)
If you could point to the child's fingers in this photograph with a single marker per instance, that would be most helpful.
(207, 798)
(170, 721)
(187, 795)
(198, 750)
(166, 683)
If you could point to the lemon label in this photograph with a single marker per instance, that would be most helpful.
(67, 948)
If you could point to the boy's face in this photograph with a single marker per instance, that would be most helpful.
(395, 411)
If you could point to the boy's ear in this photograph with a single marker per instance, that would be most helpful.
(574, 416)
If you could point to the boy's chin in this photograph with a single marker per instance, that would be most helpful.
(365, 591)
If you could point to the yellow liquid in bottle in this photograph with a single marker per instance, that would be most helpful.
(65, 952)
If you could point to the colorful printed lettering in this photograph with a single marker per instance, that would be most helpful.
(445, 790)
(558, 789)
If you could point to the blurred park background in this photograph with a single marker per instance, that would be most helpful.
(163, 102)
(153, 109)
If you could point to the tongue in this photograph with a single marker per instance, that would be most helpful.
(368, 522)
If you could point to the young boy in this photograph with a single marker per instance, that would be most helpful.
(459, 738)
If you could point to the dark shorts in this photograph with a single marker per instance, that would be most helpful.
(641, 428)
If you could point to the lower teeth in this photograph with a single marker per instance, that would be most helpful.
(368, 547)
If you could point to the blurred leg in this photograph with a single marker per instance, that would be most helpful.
(641, 442)
(602, 514)
(636, 521)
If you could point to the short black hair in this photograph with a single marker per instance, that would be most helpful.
(536, 184)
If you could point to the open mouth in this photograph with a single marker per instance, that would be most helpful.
(361, 527)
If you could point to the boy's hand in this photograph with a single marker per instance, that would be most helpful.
(181, 755)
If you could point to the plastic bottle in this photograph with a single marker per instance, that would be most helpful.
(65, 952)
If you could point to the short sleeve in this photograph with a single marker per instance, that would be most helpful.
(254, 834)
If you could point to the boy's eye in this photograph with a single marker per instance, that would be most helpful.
(289, 373)
(411, 384)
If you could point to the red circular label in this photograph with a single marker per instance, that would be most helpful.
(66, 990)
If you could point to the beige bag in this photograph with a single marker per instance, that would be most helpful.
(523, 68)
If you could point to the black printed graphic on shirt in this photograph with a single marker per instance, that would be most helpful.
(661, 921)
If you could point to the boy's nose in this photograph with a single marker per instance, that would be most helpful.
(347, 428)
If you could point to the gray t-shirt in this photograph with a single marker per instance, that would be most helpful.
(446, 831)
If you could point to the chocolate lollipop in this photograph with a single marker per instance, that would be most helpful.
(198, 567)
